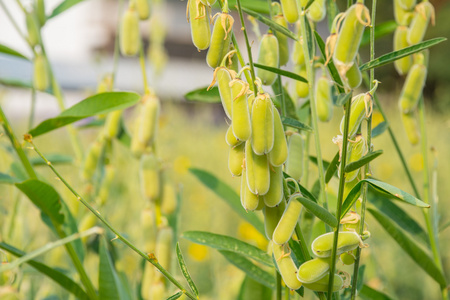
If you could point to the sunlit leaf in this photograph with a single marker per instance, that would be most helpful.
(203, 95)
(185, 271)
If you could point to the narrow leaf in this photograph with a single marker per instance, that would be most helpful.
(289, 103)
(270, 23)
(368, 293)
(360, 279)
(352, 196)
(381, 30)
(185, 271)
(6, 179)
(223, 242)
(97, 104)
(226, 193)
(63, 6)
(410, 247)
(298, 257)
(331, 67)
(203, 95)
(44, 196)
(282, 72)
(295, 124)
(332, 168)
(175, 296)
(6, 50)
(362, 161)
(109, 285)
(317, 210)
(380, 129)
(250, 268)
(343, 98)
(253, 290)
(325, 163)
(60, 278)
(54, 158)
(16, 83)
(259, 6)
(393, 56)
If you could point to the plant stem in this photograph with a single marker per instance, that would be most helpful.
(143, 70)
(278, 290)
(116, 45)
(150, 257)
(33, 108)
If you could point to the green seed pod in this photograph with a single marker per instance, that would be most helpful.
(220, 39)
(322, 284)
(148, 230)
(317, 11)
(163, 250)
(232, 62)
(353, 78)
(313, 270)
(108, 178)
(224, 76)
(143, 9)
(411, 128)
(129, 32)
(150, 175)
(323, 99)
(272, 216)
(262, 124)
(283, 46)
(290, 10)
(348, 186)
(169, 198)
(298, 56)
(288, 221)
(157, 289)
(275, 194)
(236, 159)
(257, 171)
(294, 163)
(402, 65)
(230, 138)
(424, 11)
(40, 12)
(406, 4)
(361, 108)
(349, 36)
(356, 150)
(279, 152)
(268, 55)
(347, 241)
(208, 3)
(112, 124)
(41, 79)
(412, 88)
(347, 258)
(249, 200)
(91, 161)
(32, 28)
(199, 20)
(286, 267)
(402, 17)
(302, 88)
(242, 128)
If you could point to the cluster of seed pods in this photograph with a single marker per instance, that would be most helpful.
(412, 22)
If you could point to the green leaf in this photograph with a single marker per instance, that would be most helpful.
(62, 7)
(253, 290)
(331, 67)
(175, 296)
(97, 104)
(295, 124)
(360, 279)
(393, 56)
(185, 271)
(380, 129)
(54, 158)
(298, 257)
(6, 179)
(270, 23)
(381, 30)
(16, 83)
(281, 72)
(399, 216)
(290, 106)
(325, 163)
(109, 285)
(203, 95)
(57, 276)
(332, 168)
(226, 193)
(70, 227)
(317, 210)
(223, 242)
(250, 268)
(45, 197)
(368, 293)
(6, 50)
(410, 247)
(309, 36)
(259, 6)
(362, 161)
(343, 98)
(351, 198)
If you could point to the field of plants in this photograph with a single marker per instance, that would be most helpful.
(311, 163)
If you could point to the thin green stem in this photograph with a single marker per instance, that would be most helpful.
(369, 143)
(287, 293)
(143, 70)
(340, 196)
(249, 49)
(12, 220)
(116, 44)
(279, 287)
(150, 257)
(32, 109)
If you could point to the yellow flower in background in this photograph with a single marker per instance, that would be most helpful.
(198, 252)
(248, 233)
(181, 164)
(416, 162)
(377, 118)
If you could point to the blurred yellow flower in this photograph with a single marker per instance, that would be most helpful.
(181, 164)
(377, 118)
(198, 252)
(247, 232)
(416, 162)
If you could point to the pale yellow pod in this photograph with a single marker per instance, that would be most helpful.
(223, 77)
(402, 17)
(288, 221)
(199, 20)
(249, 200)
(283, 46)
(87, 222)
(347, 258)
(230, 139)
(32, 28)
(353, 77)
(150, 176)
(148, 230)
(272, 216)
(411, 127)
(220, 39)
(361, 108)
(298, 56)
(147, 280)
(143, 9)
(257, 171)
(129, 32)
(301, 87)
(91, 160)
(407, 4)
(424, 12)
(105, 85)
(275, 194)
(158, 290)
(108, 178)
(322, 284)
(324, 102)
(356, 150)
(317, 11)
(286, 266)
(290, 10)
(41, 79)
(313, 270)
(412, 88)
(322, 246)
(241, 124)
(163, 250)
(402, 65)
(279, 152)
(169, 198)
(294, 163)
(112, 124)
(268, 55)
(262, 124)
(236, 159)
